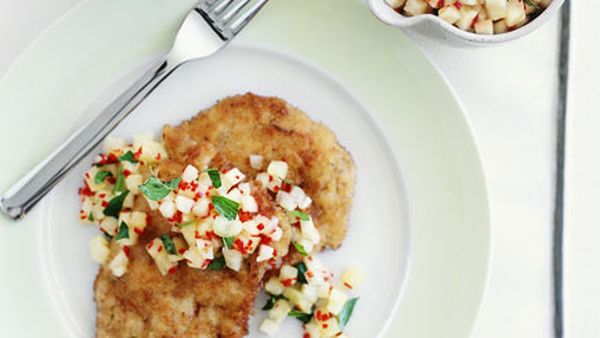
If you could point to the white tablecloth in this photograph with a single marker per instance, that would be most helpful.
(509, 92)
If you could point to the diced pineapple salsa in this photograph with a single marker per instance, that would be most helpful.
(479, 16)
(307, 291)
(217, 223)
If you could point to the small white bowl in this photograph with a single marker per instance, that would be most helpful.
(433, 26)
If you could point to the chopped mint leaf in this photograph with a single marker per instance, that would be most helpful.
(271, 301)
(123, 231)
(346, 313)
(226, 207)
(301, 316)
(115, 205)
(169, 245)
(300, 249)
(215, 177)
(156, 190)
(228, 242)
(120, 183)
(101, 176)
(217, 264)
(128, 156)
(299, 214)
(301, 272)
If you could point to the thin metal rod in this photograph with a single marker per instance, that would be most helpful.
(561, 127)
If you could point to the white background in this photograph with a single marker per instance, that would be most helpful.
(509, 92)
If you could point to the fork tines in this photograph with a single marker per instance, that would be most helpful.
(228, 17)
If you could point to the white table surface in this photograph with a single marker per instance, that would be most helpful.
(509, 93)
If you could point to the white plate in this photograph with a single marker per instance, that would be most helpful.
(361, 70)
(377, 241)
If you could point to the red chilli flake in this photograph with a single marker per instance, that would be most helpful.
(126, 251)
(159, 249)
(286, 187)
(264, 239)
(347, 285)
(86, 191)
(306, 335)
(149, 246)
(172, 270)
(104, 204)
(111, 180)
(325, 325)
(457, 4)
(126, 172)
(260, 226)
(181, 251)
(288, 282)
(244, 216)
(475, 19)
(440, 4)
(138, 230)
(240, 246)
(138, 153)
(157, 157)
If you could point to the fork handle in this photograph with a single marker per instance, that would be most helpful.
(26, 192)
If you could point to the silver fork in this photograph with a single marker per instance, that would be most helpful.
(205, 30)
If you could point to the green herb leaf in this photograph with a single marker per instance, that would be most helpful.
(91, 217)
(271, 302)
(120, 183)
(183, 225)
(346, 313)
(301, 215)
(101, 176)
(215, 177)
(156, 190)
(128, 156)
(301, 316)
(169, 245)
(300, 249)
(228, 242)
(217, 264)
(301, 271)
(226, 207)
(123, 231)
(530, 3)
(115, 205)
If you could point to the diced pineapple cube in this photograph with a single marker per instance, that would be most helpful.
(167, 208)
(395, 4)
(280, 310)
(256, 161)
(109, 225)
(500, 26)
(133, 182)
(336, 302)
(299, 299)
(449, 14)
(515, 13)
(287, 272)
(352, 278)
(157, 251)
(274, 286)
(263, 178)
(152, 151)
(496, 9)
(200, 208)
(278, 169)
(313, 329)
(484, 27)
(233, 259)
(249, 204)
(330, 328)
(118, 265)
(190, 173)
(285, 200)
(265, 252)
(226, 228)
(270, 327)
(468, 15)
(184, 204)
(99, 249)
(415, 7)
